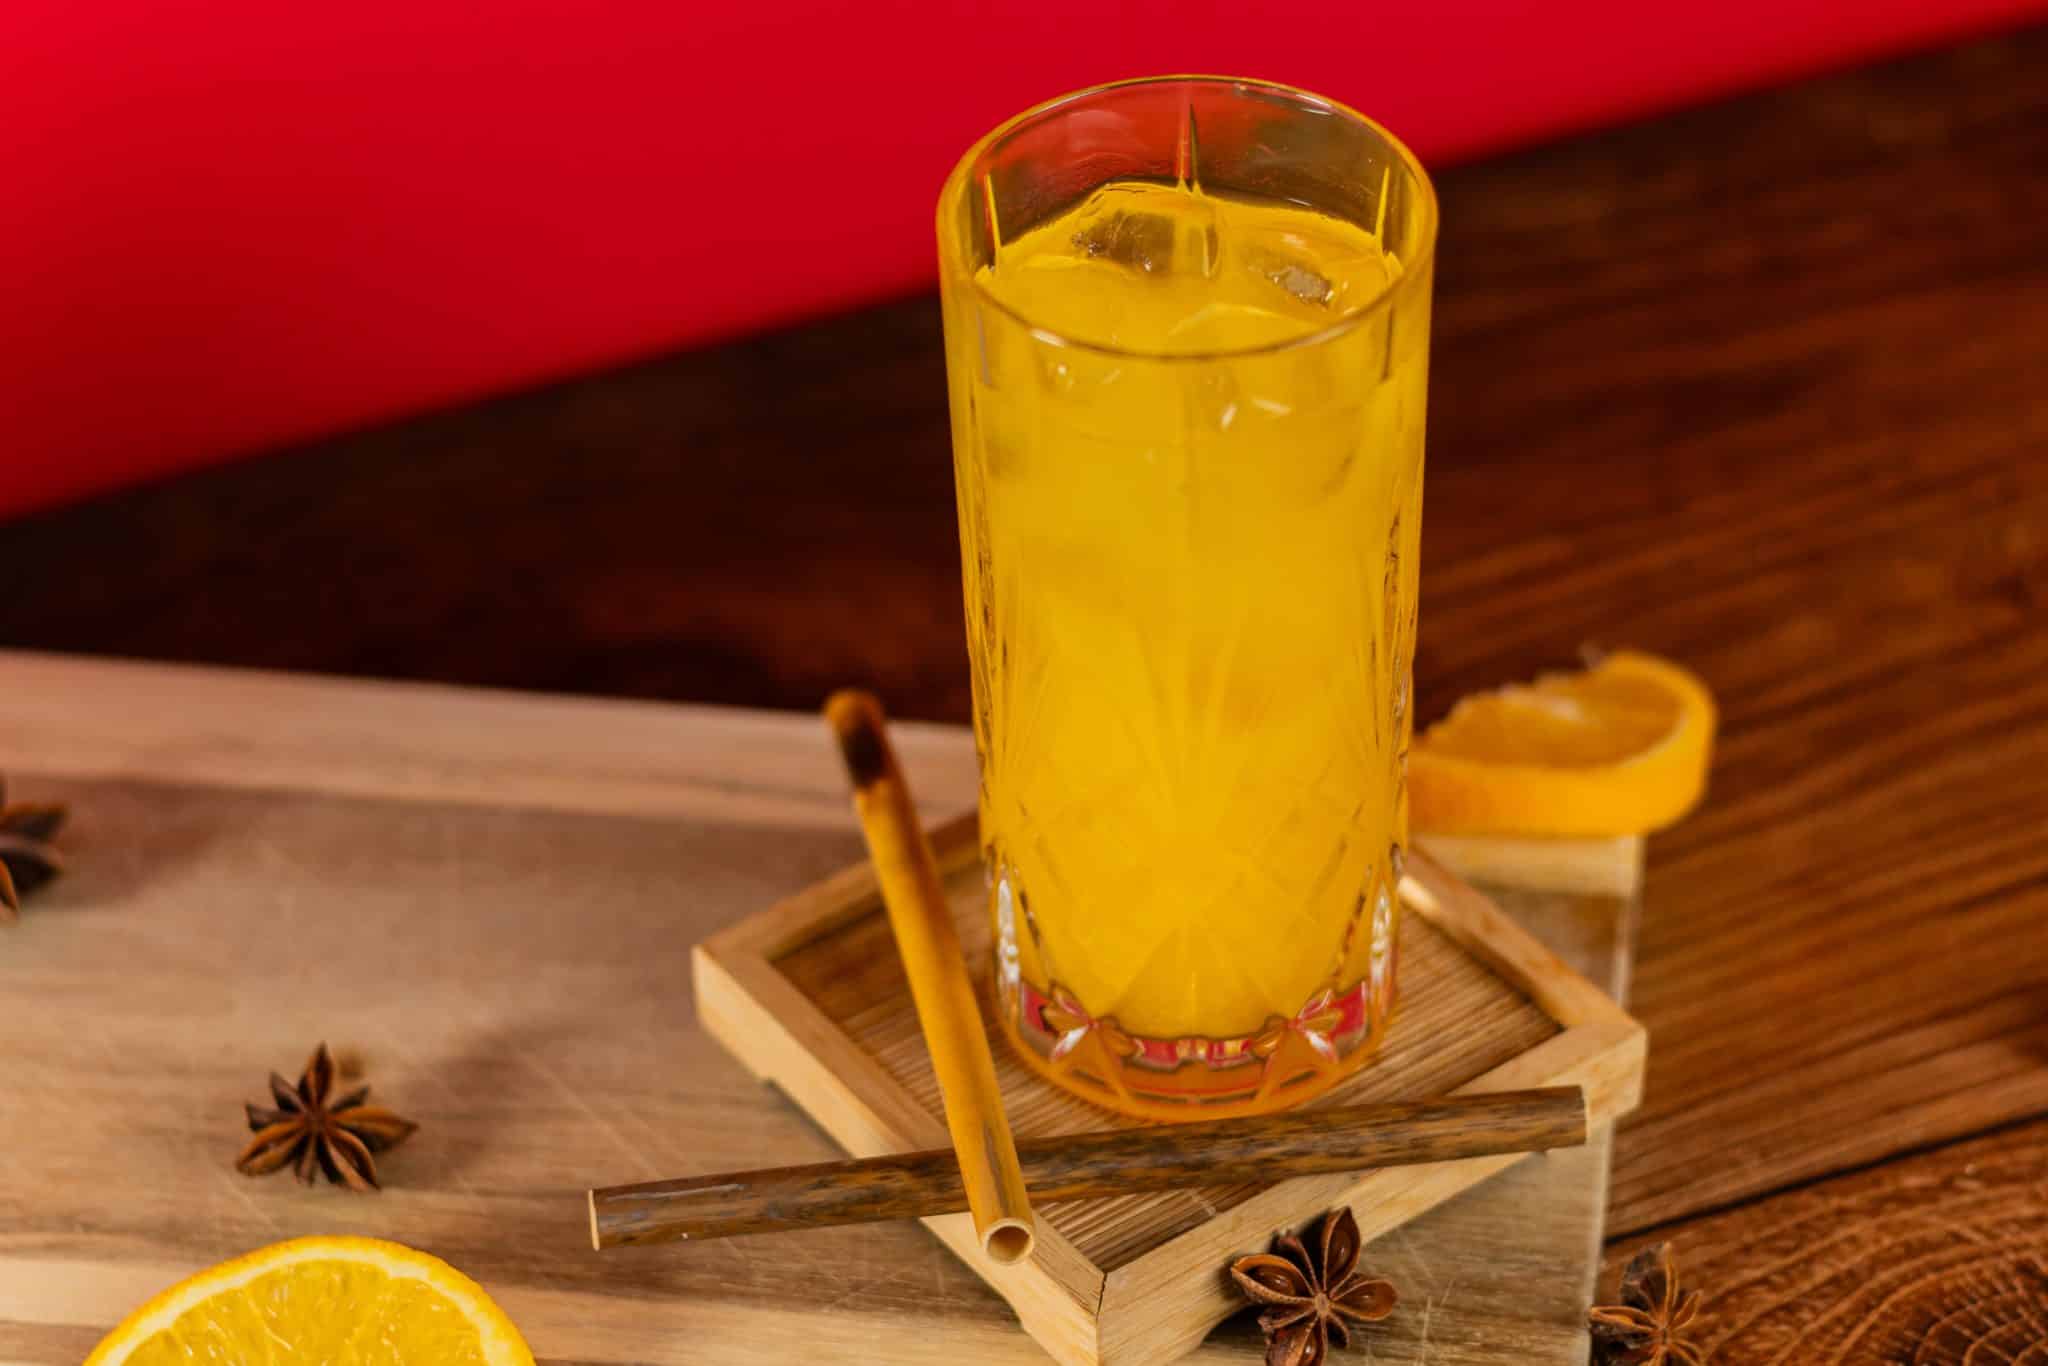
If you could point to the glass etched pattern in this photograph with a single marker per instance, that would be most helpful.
(1190, 585)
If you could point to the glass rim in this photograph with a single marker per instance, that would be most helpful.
(958, 179)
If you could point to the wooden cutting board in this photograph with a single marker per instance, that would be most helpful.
(489, 901)
(810, 995)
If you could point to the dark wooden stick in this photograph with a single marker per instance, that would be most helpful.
(1079, 1166)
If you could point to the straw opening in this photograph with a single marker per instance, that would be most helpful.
(1008, 1242)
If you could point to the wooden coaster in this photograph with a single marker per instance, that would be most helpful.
(811, 996)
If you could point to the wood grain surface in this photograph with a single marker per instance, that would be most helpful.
(507, 964)
(809, 995)
(1758, 385)
(1934, 1258)
(1466, 1024)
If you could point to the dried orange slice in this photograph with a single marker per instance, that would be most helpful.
(1618, 749)
(345, 1301)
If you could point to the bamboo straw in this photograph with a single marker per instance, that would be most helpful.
(937, 969)
(1262, 1148)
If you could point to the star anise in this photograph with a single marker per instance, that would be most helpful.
(1653, 1324)
(1313, 1297)
(27, 860)
(315, 1134)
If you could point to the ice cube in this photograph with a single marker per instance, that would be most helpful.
(1143, 241)
(1127, 224)
(1297, 277)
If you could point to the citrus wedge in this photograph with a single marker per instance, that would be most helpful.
(344, 1301)
(1618, 749)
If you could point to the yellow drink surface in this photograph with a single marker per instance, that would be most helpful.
(1156, 268)
(1190, 468)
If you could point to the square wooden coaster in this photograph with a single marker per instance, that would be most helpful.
(810, 995)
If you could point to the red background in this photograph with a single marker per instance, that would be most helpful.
(235, 223)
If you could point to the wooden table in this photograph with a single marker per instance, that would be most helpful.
(1763, 386)
(491, 902)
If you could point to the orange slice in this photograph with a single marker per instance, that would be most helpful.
(1619, 749)
(344, 1301)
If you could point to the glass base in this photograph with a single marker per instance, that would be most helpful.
(1287, 1062)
